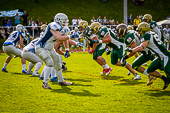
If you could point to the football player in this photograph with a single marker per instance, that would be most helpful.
(107, 36)
(97, 49)
(132, 40)
(11, 49)
(28, 53)
(153, 25)
(151, 40)
(45, 48)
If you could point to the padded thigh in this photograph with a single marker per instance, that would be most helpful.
(100, 49)
(10, 50)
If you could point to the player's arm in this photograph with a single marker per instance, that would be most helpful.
(107, 39)
(56, 47)
(58, 35)
(21, 41)
(95, 44)
(138, 48)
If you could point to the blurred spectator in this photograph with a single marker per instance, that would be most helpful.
(79, 20)
(38, 22)
(34, 27)
(167, 36)
(136, 2)
(31, 21)
(46, 23)
(24, 18)
(52, 20)
(111, 21)
(41, 23)
(141, 17)
(93, 20)
(103, 0)
(4, 21)
(74, 21)
(7, 25)
(10, 22)
(7, 34)
(136, 22)
(17, 19)
(113, 28)
(141, 2)
(130, 19)
(99, 20)
(122, 22)
(168, 16)
(159, 19)
(105, 22)
(2, 33)
(117, 22)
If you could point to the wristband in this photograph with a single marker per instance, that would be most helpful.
(100, 41)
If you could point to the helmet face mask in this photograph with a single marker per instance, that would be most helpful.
(95, 27)
(83, 25)
(130, 28)
(143, 28)
(147, 18)
(62, 19)
(20, 27)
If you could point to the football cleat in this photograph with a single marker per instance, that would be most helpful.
(29, 73)
(24, 71)
(36, 74)
(108, 52)
(108, 70)
(4, 70)
(65, 83)
(54, 79)
(137, 77)
(46, 85)
(167, 81)
(103, 72)
(64, 67)
(41, 78)
(151, 80)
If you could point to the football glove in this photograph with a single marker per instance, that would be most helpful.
(91, 51)
(95, 41)
(67, 54)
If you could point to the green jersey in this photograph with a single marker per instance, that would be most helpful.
(116, 42)
(88, 35)
(156, 45)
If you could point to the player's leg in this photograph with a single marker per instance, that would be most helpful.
(44, 56)
(57, 67)
(156, 64)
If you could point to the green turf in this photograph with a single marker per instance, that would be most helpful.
(91, 92)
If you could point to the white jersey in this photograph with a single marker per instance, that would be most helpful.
(75, 34)
(47, 40)
(167, 32)
(31, 46)
(14, 38)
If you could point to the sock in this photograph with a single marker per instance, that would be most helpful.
(60, 75)
(42, 74)
(31, 65)
(37, 67)
(135, 74)
(164, 78)
(52, 72)
(5, 65)
(145, 72)
(106, 66)
(23, 66)
(47, 71)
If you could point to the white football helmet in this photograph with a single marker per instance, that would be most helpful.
(62, 19)
(76, 29)
(20, 27)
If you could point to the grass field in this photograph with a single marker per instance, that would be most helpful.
(91, 92)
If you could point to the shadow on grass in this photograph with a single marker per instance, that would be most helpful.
(56, 83)
(67, 90)
(83, 80)
(128, 82)
(157, 93)
(112, 77)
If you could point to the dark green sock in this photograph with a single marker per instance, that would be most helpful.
(164, 78)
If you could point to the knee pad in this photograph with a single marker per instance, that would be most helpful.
(49, 62)
(57, 66)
